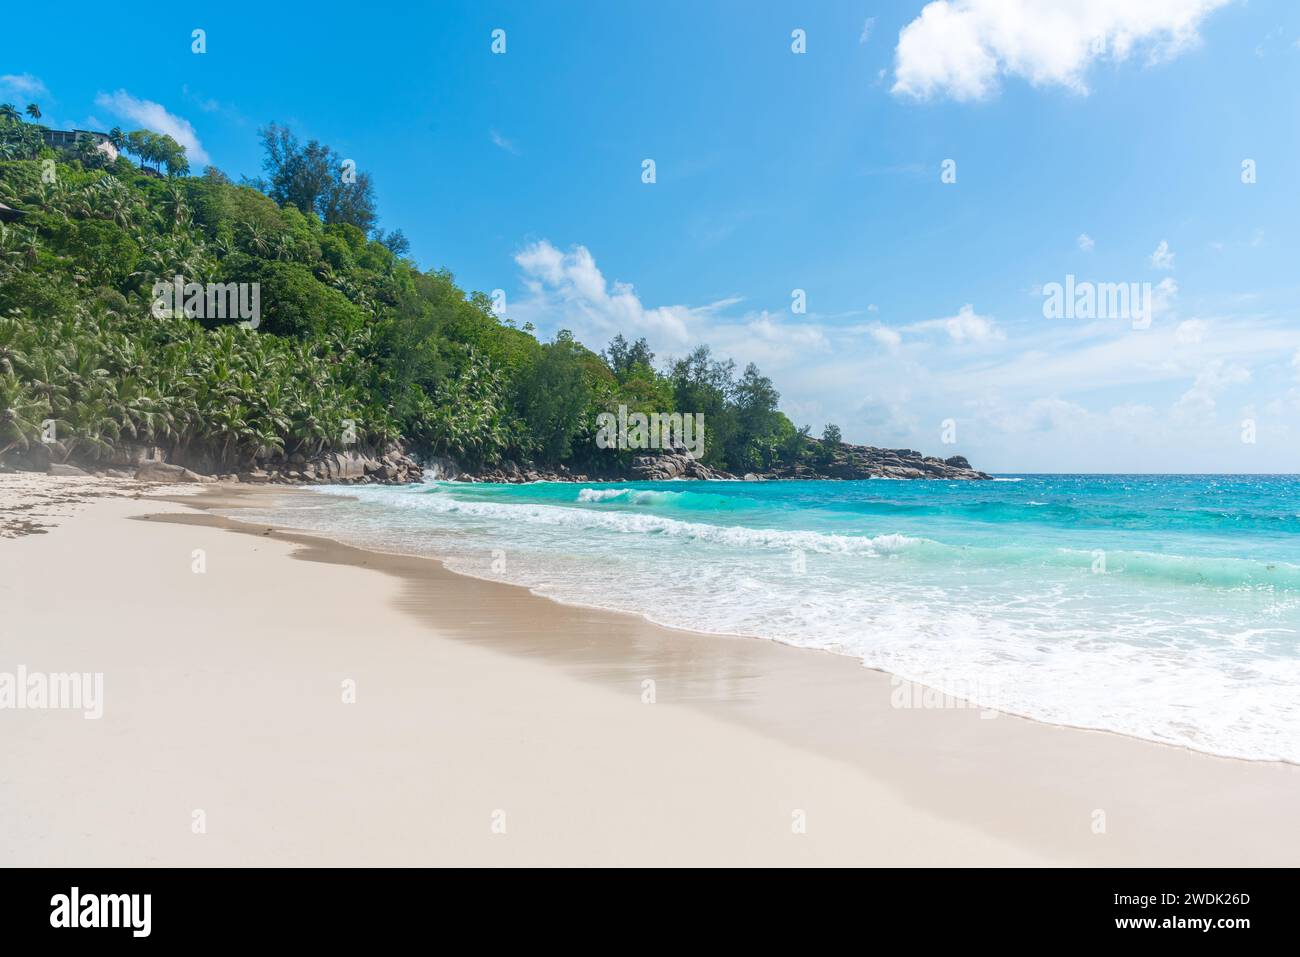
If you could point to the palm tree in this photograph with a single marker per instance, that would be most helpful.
(175, 212)
(10, 112)
(33, 111)
(256, 239)
(21, 413)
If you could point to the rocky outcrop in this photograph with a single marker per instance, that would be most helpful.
(672, 465)
(509, 472)
(659, 467)
(389, 466)
(865, 461)
(845, 462)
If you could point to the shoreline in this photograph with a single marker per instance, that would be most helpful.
(543, 701)
(915, 689)
(445, 562)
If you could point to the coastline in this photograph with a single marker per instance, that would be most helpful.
(483, 697)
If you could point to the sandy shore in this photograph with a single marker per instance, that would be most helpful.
(480, 708)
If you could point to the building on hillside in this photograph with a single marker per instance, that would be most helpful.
(66, 139)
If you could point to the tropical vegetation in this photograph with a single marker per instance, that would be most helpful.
(355, 342)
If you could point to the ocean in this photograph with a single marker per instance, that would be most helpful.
(1165, 607)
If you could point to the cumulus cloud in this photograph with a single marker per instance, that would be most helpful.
(966, 326)
(1162, 258)
(961, 48)
(1215, 377)
(887, 337)
(567, 290)
(569, 287)
(153, 116)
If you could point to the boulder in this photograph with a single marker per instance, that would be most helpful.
(60, 468)
(163, 472)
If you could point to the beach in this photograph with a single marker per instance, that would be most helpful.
(273, 697)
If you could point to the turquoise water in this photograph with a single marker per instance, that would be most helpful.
(1166, 607)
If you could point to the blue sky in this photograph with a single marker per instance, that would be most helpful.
(1084, 135)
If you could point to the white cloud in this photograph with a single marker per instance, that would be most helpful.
(153, 116)
(23, 84)
(1215, 377)
(567, 290)
(568, 287)
(887, 337)
(504, 143)
(961, 48)
(1163, 296)
(1086, 242)
(966, 326)
(1162, 258)
(866, 30)
(1191, 331)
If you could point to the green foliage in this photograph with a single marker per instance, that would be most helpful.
(315, 179)
(554, 399)
(351, 330)
(158, 149)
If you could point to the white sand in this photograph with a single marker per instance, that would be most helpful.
(223, 694)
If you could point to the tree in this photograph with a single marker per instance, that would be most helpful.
(33, 111)
(831, 435)
(174, 158)
(352, 203)
(623, 359)
(10, 113)
(156, 148)
(143, 144)
(315, 179)
(704, 385)
(396, 242)
(553, 398)
(117, 138)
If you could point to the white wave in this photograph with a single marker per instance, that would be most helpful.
(629, 495)
(641, 524)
